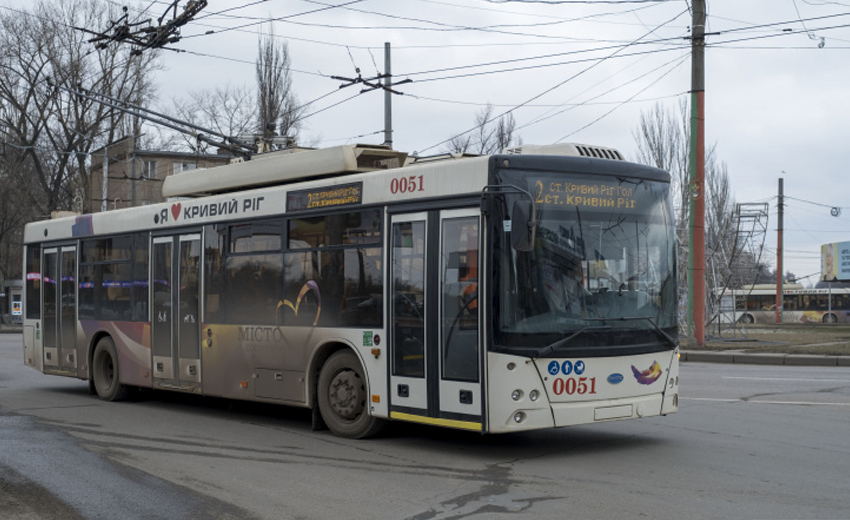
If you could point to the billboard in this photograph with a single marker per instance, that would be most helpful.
(835, 262)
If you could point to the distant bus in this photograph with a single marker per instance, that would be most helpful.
(494, 294)
(757, 304)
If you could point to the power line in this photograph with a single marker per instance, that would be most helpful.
(279, 19)
(540, 57)
(537, 105)
(606, 114)
(570, 78)
(559, 2)
(549, 114)
(545, 65)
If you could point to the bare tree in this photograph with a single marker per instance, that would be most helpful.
(44, 57)
(276, 101)
(489, 135)
(11, 224)
(226, 109)
(663, 139)
(48, 131)
(238, 110)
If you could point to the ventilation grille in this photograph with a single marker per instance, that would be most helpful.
(599, 152)
(581, 150)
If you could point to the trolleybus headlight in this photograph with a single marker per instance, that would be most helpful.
(516, 395)
(533, 395)
(519, 417)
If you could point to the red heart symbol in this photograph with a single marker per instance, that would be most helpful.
(175, 210)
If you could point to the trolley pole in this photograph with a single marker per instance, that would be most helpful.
(696, 224)
(779, 208)
(388, 98)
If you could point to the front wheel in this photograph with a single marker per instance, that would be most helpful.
(830, 318)
(105, 372)
(343, 399)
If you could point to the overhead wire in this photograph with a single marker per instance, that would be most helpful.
(606, 114)
(561, 83)
(550, 113)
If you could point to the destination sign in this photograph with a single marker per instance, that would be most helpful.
(337, 195)
(584, 194)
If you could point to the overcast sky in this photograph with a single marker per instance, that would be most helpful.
(777, 76)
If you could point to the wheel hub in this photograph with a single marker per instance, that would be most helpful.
(346, 395)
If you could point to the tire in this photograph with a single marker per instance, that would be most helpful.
(747, 319)
(106, 372)
(343, 397)
(830, 318)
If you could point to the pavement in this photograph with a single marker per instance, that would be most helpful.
(763, 358)
(702, 356)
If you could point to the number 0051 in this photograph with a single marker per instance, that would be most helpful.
(407, 184)
(572, 385)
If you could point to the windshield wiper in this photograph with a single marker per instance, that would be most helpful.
(668, 337)
(563, 341)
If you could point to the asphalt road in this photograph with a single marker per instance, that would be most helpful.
(748, 442)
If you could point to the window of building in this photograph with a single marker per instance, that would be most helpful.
(183, 166)
(149, 169)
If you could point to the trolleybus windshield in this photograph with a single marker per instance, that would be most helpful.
(601, 271)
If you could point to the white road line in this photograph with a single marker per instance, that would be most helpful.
(787, 379)
(797, 403)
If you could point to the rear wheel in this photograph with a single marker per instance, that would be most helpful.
(105, 371)
(830, 318)
(343, 399)
(747, 318)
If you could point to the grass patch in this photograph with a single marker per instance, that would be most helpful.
(792, 338)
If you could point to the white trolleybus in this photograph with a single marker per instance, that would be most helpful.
(528, 290)
(757, 304)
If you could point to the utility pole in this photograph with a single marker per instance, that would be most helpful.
(779, 286)
(388, 97)
(696, 223)
(104, 190)
(133, 171)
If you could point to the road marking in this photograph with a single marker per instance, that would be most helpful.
(786, 379)
(797, 403)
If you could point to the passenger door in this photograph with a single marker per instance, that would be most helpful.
(59, 311)
(175, 282)
(435, 345)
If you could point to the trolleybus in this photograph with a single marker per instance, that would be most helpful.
(757, 304)
(526, 290)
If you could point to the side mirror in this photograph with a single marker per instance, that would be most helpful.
(523, 225)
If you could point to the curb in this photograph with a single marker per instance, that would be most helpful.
(765, 359)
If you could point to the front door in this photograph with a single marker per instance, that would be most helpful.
(175, 280)
(435, 345)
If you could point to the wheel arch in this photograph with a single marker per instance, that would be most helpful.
(317, 361)
(95, 339)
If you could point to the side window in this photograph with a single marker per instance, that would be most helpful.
(252, 277)
(333, 288)
(215, 276)
(253, 288)
(333, 270)
(113, 278)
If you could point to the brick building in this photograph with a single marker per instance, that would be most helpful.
(134, 177)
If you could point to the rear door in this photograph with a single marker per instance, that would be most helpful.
(59, 308)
